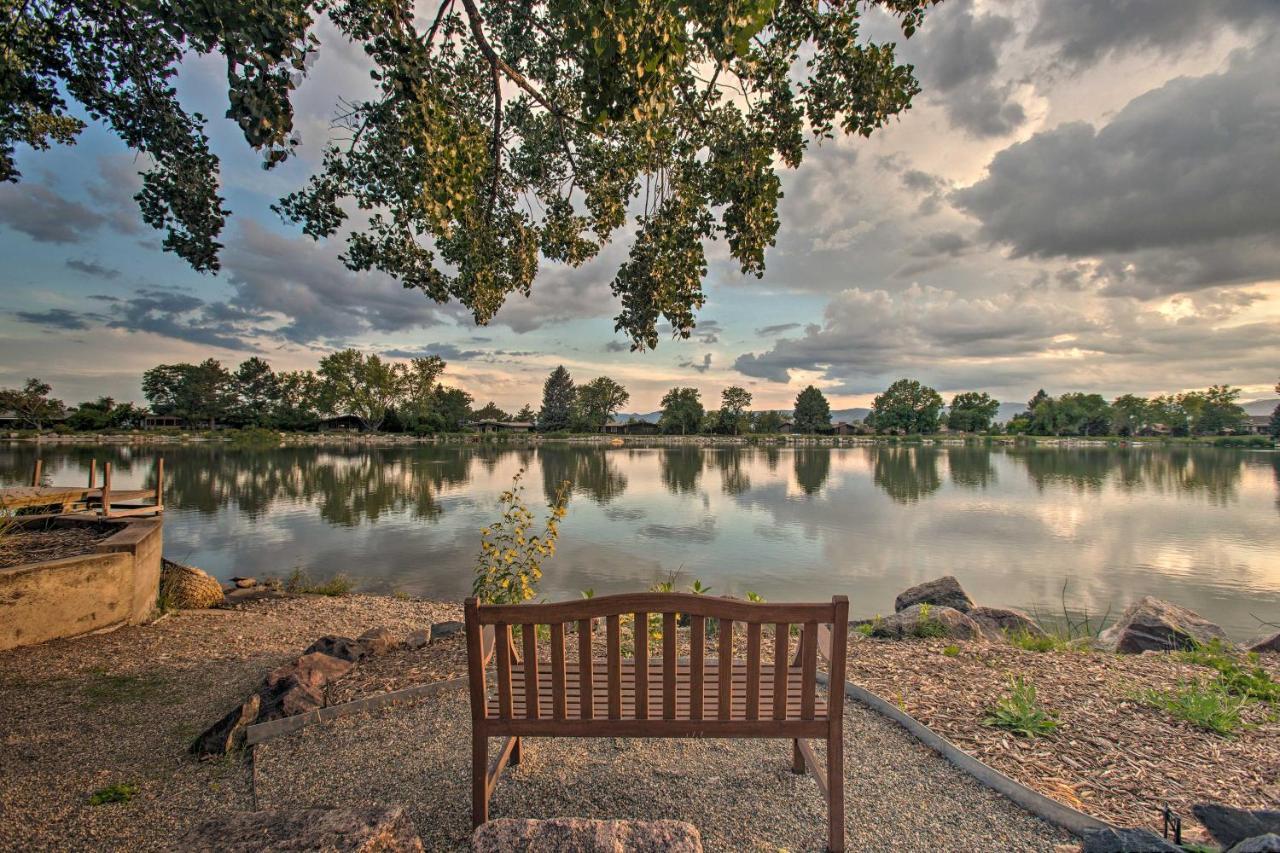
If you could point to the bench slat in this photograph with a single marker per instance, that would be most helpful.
(753, 671)
(697, 662)
(557, 671)
(613, 643)
(809, 668)
(668, 666)
(781, 637)
(642, 665)
(502, 643)
(531, 666)
(725, 646)
(585, 670)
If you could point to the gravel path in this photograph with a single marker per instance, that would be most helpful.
(740, 794)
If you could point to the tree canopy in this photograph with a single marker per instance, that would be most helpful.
(681, 411)
(598, 400)
(972, 412)
(32, 403)
(667, 122)
(907, 406)
(813, 412)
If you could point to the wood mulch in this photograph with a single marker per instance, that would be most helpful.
(35, 546)
(1112, 756)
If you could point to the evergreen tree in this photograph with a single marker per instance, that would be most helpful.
(558, 397)
(813, 412)
(526, 414)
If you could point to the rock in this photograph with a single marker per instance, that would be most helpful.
(368, 829)
(1150, 624)
(1229, 825)
(915, 621)
(340, 647)
(997, 623)
(440, 630)
(244, 583)
(1269, 843)
(227, 734)
(298, 687)
(1266, 645)
(1125, 841)
(418, 639)
(379, 641)
(586, 836)
(943, 592)
(187, 587)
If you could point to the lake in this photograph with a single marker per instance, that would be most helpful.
(1198, 526)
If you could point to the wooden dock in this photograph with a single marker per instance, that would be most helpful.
(102, 501)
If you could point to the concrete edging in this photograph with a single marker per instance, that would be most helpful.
(1072, 820)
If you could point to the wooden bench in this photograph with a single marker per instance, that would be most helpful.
(577, 694)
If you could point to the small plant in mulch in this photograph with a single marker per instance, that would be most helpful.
(926, 626)
(1205, 706)
(1238, 675)
(1020, 712)
(952, 651)
(120, 792)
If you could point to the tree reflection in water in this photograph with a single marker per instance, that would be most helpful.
(906, 474)
(681, 468)
(733, 464)
(1211, 472)
(591, 470)
(812, 467)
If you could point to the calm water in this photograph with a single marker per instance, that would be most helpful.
(1200, 527)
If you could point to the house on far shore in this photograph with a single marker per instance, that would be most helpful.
(633, 427)
(1256, 425)
(161, 422)
(342, 423)
(490, 425)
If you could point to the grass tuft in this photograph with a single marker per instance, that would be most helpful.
(120, 792)
(1205, 706)
(300, 582)
(1020, 712)
(1025, 640)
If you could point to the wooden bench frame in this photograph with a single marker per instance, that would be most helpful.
(745, 704)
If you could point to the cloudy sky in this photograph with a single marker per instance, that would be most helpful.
(1085, 197)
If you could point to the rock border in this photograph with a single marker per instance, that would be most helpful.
(1063, 816)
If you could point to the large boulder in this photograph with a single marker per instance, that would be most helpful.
(1151, 624)
(997, 623)
(580, 835)
(448, 628)
(336, 830)
(924, 621)
(1266, 645)
(1125, 841)
(1269, 843)
(188, 588)
(379, 641)
(227, 734)
(941, 592)
(298, 687)
(1229, 825)
(340, 647)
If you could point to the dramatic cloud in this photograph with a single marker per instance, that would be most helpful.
(180, 315)
(700, 366)
(1084, 31)
(1176, 192)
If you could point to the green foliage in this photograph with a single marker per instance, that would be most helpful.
(598, 400)
(490, 412)
(1205, 706)
(255, 437)
(698, 589)
(511, 556)
(734, 417)
(926, 626)
(951, 651)
(32, 402)
(812, 411)
(589, 592)
(906, 407)
(105, 413)
(301, 583)
(754, 598)
(558, 397)
(119, 792)
(1027, 641)
(197, 393)
(1256, 442)
(972, 412)
(1237, 675)
(1020, 712)
(767, 422)
(681, 411)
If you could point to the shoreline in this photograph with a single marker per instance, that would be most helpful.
(268, 439)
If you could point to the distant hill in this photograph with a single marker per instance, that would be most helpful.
(1261, 407)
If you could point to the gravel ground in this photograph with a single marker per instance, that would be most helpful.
(120, 709)
(740, 794)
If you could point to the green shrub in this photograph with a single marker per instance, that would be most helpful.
(300, 582)
(511, 554)
(951, 651)
(1246, 441)
(120, 792)
(1025, 640)
(1205, 706)
(1020, 712)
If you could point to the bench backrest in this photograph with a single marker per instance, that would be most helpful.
(489, 635)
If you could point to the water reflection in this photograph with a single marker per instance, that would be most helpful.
(1197, 526)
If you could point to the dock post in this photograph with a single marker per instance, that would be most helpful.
(160, 484)
(36, 472)
(93, 473)
(106, 489)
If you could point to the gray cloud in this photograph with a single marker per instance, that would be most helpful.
(180, 315)
(1177, 191)
(776, 329)
(93, 268)
(44, 215)
(1084, 31)
(55, 318)
(448, 352)
(617, 346)
(701, 367)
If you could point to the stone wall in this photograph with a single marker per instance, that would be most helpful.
(112, 585)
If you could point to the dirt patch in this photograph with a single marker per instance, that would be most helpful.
(19, 546)
(1112, 755)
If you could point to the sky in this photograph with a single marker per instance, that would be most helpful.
(1084, 197)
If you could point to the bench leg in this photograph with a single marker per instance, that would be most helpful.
(797, 760)
(515, 752)
(835, 791)
(479, 770)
